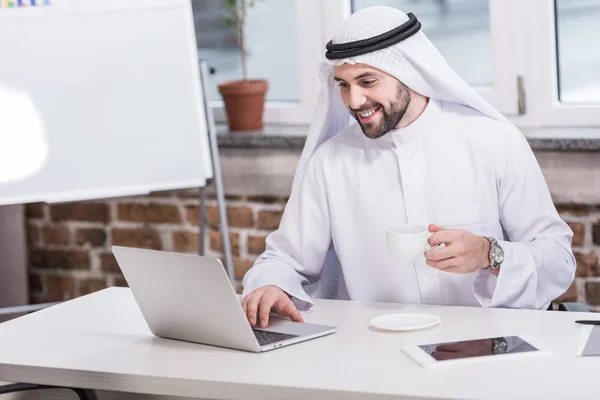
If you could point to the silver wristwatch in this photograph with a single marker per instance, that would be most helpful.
(500, 346)
(496, 254)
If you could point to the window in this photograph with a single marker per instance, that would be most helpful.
(474, 41)
(453, 26)
(561, 63)
(577, 33)
(535, 61)
(277, 51)
(269, 56)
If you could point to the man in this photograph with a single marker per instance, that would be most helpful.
(426, 150)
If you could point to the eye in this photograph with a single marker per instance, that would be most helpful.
(343, 85)
(368, 82)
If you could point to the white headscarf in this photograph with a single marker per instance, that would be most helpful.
(415, 62)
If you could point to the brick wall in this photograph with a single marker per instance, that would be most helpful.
(69, 244)
(584, 220)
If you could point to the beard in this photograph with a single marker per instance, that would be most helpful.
(390, 117)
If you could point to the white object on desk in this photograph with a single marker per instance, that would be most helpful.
(426, 360)
(586, 331)
(405, 321)
(101, 341)
(188, 297)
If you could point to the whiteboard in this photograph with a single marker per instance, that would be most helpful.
(116, 90)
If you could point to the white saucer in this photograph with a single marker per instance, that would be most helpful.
(405, 321)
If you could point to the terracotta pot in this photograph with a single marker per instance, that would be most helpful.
(244, 103)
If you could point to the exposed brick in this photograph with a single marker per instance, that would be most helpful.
(57, 288)
(587, 264)
(185, 242)
(237, 216)
(256, 244)
(56, 235)
(164, 213)
(269, 219)
(592, 293)
(33, 235)
(216, 244)
(108, 263)
(578, 233)
(191, 214)
(60, 259)
(233, 197)
(569, 296)
(120, 281)
(155, 213)
(94, 236)
(37, 257)
(94, 212)
(573, 209)
(596, 233)
(34, 210)
(35, 283)
(212, 215)
(241, 266)
(211, 195)
(265, 199)
(240, 217)
(145, 238)
(188, 193)
(164, 193)
(131, 212)
(36, 298)
(87, 286)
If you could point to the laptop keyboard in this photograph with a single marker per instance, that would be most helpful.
(267, 337)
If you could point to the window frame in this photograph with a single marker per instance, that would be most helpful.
(309, 47)
(540, 70)
(525, 74)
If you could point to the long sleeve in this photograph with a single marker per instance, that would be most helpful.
(295, 252)
(538, 261)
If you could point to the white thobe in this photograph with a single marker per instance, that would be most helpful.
(453, 167)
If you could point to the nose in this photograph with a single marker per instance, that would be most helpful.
(357, 98)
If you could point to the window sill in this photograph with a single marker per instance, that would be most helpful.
(293, 137)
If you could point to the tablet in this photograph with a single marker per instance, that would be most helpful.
(475, 350)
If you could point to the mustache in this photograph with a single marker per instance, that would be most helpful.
(365, 107)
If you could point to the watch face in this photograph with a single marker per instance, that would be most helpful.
(498, 255)
(500, 345)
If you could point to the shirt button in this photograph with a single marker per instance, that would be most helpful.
(413, 198)
(427, 279)
(408, 155)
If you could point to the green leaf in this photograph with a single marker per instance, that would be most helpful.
(230, 20)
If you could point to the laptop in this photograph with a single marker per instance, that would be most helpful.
(189, 297)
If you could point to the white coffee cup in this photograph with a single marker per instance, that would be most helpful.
(407, 242)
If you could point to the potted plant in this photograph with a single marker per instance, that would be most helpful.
(244, 99)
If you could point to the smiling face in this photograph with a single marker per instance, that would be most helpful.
(376, 99)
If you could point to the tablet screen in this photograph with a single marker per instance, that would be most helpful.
(477, 348)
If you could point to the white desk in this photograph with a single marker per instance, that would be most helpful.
(101, 341)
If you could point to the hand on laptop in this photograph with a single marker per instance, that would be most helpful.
(259, 304)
